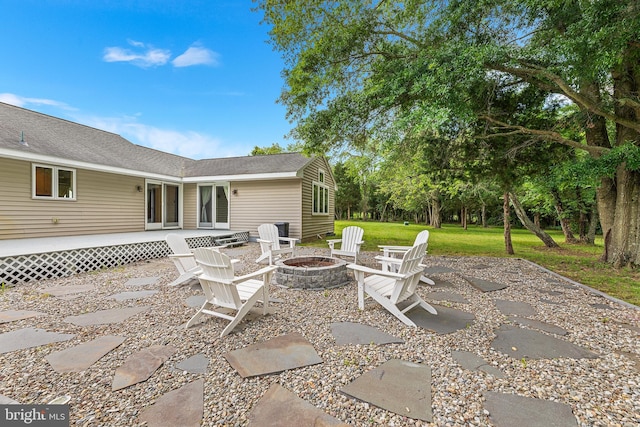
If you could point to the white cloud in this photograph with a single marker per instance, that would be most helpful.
(196, 55)
(145, 56)
(186, 143)
(21, 101)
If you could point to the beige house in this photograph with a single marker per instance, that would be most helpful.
(63, 179)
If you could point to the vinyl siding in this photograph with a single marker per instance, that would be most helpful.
(316, 225)
(269, 201)
(106, 203)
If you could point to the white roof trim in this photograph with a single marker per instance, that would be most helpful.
(57, 161)
(243, 177)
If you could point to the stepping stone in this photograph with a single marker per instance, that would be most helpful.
(446, 321)
(4, 400)
(628, 326)
(102, 317)
(141, 365)
(196, 301)
(473, 362)
(196, 364)
(548, 301)
(507, 307)
(631, 356)
(524, 343)
(602, 306)
(438, 269)
(506, 410)
(447, 296)
(13, 315)
(183, 407)
(357, 333)
(484, 285)
(29, 337)
(480, 267)
(80, 357)
(280, 407)
(123, 296)
(398, 386)
(275, 355)
(552, 293)
(535, 324)
(142, 281)
(60, 291)
(441, 284)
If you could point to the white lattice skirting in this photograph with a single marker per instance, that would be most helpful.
(26, 268)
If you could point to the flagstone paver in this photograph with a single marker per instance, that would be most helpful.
(524, 343)
(13, 315)
(80, 357)
(141, 365)
(398, 386)
(279, 407)
(602, 306)
(536, 324)
(29, 337)
(102, 317)
(447, 296)
(183, 407)
(440, 284)
(123, 296)
(438, 269)
(446, 321)
(357, 333)
(59, 291)
(507, 307)
(548, 301)
(552, 293)
(196, 364)
(510, 410)
(142, 281)
(4, 400)
(275, 355)
(473, 362)
(195, 301)
(484, 285)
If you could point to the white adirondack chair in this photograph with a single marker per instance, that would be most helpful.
(394, 289)
(397, 252)
(183, 259)
(270, 243)
(223, 291)
(349, 244)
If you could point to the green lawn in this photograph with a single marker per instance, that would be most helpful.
(577, 262)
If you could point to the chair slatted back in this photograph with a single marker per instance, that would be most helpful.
(351, 236)
(422, 237)
(410, 266)
(216, 278)
(178, 245)
(270, 232)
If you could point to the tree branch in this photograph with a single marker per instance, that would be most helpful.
(545, 134)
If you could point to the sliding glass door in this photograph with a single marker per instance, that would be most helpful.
(213, 206)
(162, 205)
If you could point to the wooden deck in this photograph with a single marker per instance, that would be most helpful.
(23, 260)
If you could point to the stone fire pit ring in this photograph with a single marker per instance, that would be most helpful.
(312, 272)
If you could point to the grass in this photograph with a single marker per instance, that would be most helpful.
(577, 262)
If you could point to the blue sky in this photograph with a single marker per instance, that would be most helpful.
(194, 78)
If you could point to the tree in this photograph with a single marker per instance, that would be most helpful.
(348, 194)
(357, 69)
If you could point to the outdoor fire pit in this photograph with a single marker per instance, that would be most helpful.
(312, 272)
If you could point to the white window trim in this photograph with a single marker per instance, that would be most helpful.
(321, 187)
(54, 182)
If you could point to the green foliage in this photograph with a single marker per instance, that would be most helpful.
(627, 155)
(262, 151)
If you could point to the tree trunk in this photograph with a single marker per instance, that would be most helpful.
(536, 219)
(436, 216)
(484, 215)
(524, 219)
(625, 234)
(507, 224)
(590, 239)
(565, 223)
(463, 217)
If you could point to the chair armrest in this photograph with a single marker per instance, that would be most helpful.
(370, 270)
(264, 241)
(391, 260)
(189, 255)
(262, 271)
(334, 240)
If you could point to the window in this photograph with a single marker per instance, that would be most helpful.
(50, 182)
(320, 195)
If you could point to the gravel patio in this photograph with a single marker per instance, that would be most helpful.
(601, 391)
